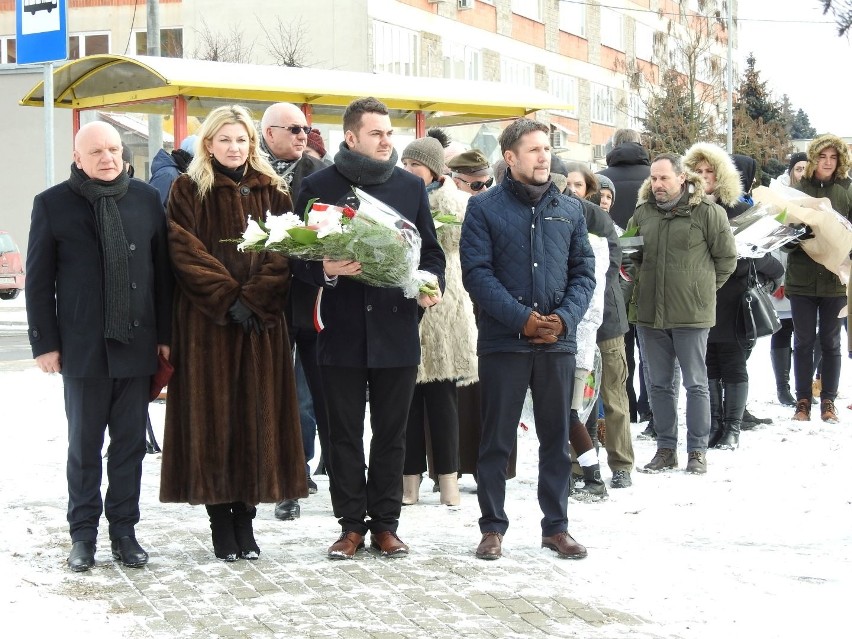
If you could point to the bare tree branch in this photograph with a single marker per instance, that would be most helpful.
(286, 43)
(842, 12)
(222, 47)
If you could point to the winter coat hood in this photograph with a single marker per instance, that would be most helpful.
(694, 184)
(629, 153)
(747, 166)
(822, 142)
(728, 185)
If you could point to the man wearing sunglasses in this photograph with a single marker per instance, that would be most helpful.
(284, 138)
(471, 171)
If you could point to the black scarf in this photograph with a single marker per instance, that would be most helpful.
(284, 168)
(361, 170)
(236, 174)
(103, 197)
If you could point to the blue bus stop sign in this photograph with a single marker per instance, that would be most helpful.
(42, 31)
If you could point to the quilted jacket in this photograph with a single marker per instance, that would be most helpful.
(518, 257)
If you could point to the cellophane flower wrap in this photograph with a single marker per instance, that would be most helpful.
(386, 244)
(762, 229)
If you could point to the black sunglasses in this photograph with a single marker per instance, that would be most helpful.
(295, 129)
(478, 185)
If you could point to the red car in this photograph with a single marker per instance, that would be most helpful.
(11, 268)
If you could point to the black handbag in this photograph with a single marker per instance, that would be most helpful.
(758, 316)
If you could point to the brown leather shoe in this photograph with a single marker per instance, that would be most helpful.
(388, 543)
(346, 545)
(491, 546)
(828, 412)
(564, 545)
(803, 411)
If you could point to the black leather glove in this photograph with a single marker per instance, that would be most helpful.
(242, 315)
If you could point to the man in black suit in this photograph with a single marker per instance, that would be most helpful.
(99, 288)
(370, 336)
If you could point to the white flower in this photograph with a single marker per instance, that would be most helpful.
(326, 220)
(252, 235)
(279, 225)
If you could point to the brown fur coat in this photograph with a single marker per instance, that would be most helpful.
(232, 421)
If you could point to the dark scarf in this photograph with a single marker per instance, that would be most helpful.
(284, 168)
(527, 193)
(103, 197)
(361, 170)
(236, 174)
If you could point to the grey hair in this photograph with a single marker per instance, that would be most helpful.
(623, 136)
(674, 158)
(514, 132)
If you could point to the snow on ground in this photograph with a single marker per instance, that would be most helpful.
(760, 547)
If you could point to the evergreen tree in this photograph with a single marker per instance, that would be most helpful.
(801, 127)
(754, 95)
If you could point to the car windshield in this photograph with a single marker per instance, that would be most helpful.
(7, 244)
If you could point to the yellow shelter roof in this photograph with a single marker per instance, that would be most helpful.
(149, 84)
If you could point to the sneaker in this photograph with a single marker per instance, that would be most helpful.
(803, 411)
(697, 464)
(828, 411)
(621, 479)
(312, 486)
(664, 459)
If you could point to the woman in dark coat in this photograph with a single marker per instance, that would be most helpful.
(727, 354)
(232, 434)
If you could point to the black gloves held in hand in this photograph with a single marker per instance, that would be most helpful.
(242, 315)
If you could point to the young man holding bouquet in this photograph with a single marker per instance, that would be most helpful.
(369, 337)
(528, 266)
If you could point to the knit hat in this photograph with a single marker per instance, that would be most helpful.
(188, 144)
(606, 183)
(315, 142)
(429, 152)
(801, 156)
(469, 162)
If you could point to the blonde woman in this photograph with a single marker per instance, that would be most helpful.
(232, 434)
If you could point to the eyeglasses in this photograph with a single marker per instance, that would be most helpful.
(295, 129)
(478, 185)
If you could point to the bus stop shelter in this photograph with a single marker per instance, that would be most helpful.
(182, 88)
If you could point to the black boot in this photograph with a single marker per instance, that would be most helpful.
(781, 366)
(735, 401)
(243, 531)
(594, 488)
(225, 545)
(716, 429)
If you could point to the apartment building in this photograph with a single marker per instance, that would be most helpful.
(580, 51)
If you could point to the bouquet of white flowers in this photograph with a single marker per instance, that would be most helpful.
(386, 244)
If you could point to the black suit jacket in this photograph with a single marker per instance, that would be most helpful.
(64, 286)
(367, 326)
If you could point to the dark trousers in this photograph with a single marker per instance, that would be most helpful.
(306, 347)
(93, 405)
(435, 404)
(783, 337)
(727, 361)
(807, 313)
(631, 345)
(379, 494)
(504, 379)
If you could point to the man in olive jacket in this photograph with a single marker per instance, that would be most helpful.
(813, 290)
(688, 253)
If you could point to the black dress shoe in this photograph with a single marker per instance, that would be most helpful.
(82, 557)
(128, 551)
(287, 509)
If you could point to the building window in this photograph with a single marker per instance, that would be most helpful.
(635, 113)
(516, 72)
(83, 44)
(564, 88)
(395, 50)
(8, 50)
(527, 8)
(462, 62)
(612, 29)
(643, 42)
(603, 104)
(572, 18)
(171, 42)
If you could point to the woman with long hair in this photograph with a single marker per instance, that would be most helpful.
(232, 433)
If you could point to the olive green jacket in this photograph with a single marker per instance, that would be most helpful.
(688, 253)
(804, 276)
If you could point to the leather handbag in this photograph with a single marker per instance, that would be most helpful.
(161, 377)
(759, 318)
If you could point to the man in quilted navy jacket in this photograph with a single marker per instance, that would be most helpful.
(528, 266)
